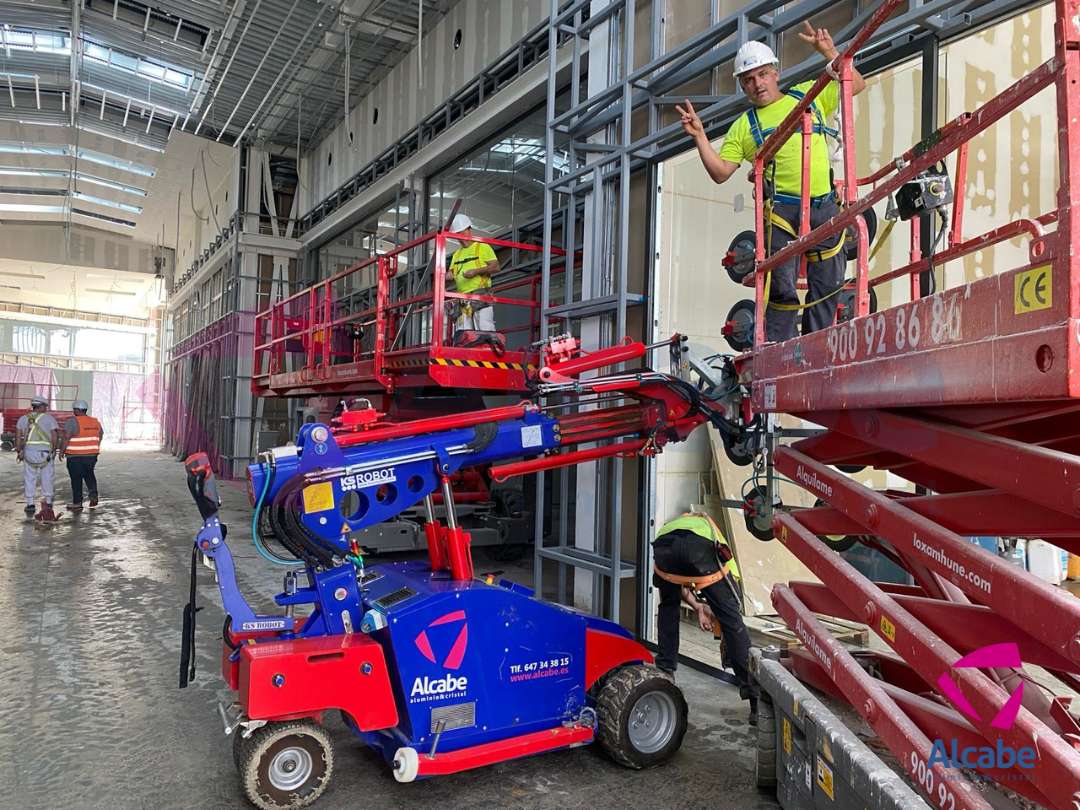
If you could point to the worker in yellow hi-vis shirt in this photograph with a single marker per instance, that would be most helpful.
(472, 266)
(758, 72)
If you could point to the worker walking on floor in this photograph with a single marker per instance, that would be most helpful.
(36, 441)
(758, 72)
(472, 266)
(692, 561)
(82, 446)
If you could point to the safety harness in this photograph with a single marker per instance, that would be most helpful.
(819, 127)
(700, 582)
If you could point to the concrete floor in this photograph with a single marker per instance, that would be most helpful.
(90, 713)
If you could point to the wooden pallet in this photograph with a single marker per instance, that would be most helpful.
(770, 630)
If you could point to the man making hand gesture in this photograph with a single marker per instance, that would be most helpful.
(758, 72)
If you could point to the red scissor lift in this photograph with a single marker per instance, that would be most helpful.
(320, 341)
(973, 395)
(370, 331)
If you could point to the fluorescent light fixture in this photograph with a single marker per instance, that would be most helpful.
(90, 198)
(11, 148)
(35, 276)
(110, 292)
(101, 181)
(81, 212)
(15, 171)
(64, 174)
(115, 163)
(22, 208)
(101, 133)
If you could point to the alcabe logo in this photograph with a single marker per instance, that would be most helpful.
(432, 689)
(453, 658)
(1000, 755)
(1007, 655)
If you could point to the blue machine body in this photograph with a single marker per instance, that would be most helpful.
(471, 661)
(384, 478)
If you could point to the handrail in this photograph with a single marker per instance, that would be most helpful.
(310, 316)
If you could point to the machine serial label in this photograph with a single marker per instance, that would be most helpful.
(923, 324)
(1033, 290)
(318, 498)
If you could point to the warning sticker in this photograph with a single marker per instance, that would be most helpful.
(825, 778)
(888, 629)
(1033, 290)
(787, 736)
(318, 497)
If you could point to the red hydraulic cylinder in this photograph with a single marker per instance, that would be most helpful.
(505, 471)
(630, 350)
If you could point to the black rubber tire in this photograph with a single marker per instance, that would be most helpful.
(765, 761)
(738, 455)
(837, 542)
(762, 533)
(851, 469)
(237, 739)
(256, 753)
(615, 704)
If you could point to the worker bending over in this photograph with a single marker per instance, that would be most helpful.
(37, 440)
(758, 72)
(692, 560)
(472, 266)
(82, 446)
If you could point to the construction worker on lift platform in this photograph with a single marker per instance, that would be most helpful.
(693, 563)
(472, 266)
(82, 446)
(37, 440)
(758, 72)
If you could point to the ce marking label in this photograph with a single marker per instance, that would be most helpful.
(1033, 290)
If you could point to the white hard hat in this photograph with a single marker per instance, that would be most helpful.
(35, 401)
(460, 223)
(80, 405)
(752, 55)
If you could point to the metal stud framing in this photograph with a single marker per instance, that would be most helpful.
(604, 154)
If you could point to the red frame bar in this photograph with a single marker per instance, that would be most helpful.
(1057, 772)
(897, 731)
(1049, 614)
(525, 745)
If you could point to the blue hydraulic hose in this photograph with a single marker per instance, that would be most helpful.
(263, 551)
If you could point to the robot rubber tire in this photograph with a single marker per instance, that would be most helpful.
(641, 715)
(286, 764)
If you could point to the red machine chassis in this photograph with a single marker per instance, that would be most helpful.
(971, 394)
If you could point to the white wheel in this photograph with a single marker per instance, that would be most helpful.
(406, 764)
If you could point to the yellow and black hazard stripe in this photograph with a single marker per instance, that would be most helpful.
(494, 364)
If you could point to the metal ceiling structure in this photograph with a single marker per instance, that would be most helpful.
(228, 70)
(81, 78)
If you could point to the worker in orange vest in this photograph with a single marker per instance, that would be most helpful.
(82, 445)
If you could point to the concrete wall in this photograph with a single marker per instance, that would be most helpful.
(406, 95)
